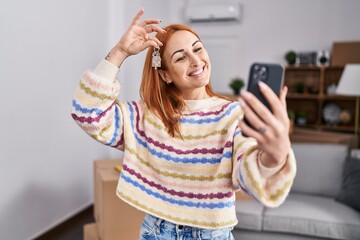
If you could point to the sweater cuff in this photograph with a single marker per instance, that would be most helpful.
(106, 70)
(267, 172)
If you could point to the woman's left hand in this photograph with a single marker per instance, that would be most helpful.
(271, 128)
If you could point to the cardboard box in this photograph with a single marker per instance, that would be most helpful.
(116, 219)
(345, 52)
(91, 232)
(241, 196)
(103, 164)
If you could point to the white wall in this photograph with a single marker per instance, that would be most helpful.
(46, 160)
(267, 30)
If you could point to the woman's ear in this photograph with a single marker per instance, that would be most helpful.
(164, 76)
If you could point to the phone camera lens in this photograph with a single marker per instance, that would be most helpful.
(263, 73)
(259, 74)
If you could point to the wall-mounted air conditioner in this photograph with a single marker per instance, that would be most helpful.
(213, 12)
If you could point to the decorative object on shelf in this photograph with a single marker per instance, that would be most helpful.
(299, 87)
(349, 85)
(236, 84)
(331, 90)
(331, 113)
(290, 57)
(345, 52)
(322, 58)
(301, 118)
(345, 117)
(307, 58)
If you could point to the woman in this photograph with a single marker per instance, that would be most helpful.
(184, 151)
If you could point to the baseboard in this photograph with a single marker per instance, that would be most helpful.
(63, 222)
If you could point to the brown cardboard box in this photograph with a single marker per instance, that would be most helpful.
(345, 52)
(241, 196)
(102, 164)
(91, 232)
(117, 219)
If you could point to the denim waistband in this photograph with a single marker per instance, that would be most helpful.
(197, 233)
(150, 219)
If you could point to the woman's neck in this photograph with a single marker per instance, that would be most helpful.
(196, 94)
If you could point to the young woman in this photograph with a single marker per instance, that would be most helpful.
(184, 150)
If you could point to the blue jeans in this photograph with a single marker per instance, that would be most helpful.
(154, 228)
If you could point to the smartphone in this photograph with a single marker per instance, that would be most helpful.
(269, 73)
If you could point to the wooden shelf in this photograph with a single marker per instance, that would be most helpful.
(337, 97)
(302, 134)
(338, 128)
(303, 67)
(316, 81)
(302, 96)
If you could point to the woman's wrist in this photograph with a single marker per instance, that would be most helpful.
(267, 171)
(116, 57)
(270, 162)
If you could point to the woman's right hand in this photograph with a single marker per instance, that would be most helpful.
(136, 39)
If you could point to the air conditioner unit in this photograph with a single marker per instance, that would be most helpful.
(213, 12)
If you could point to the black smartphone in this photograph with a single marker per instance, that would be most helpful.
(269, 73)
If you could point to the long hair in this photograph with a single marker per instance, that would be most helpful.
(163, 99)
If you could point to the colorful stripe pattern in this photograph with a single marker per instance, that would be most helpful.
(187, 180)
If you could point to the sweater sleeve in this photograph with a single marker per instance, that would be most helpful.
(269, 186)
(95, 107)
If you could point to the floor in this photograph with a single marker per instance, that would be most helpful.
(71, 229)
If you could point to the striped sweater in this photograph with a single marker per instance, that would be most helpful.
(189, 180)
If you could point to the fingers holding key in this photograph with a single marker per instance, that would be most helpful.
(146, 24)
(153, 28)
(137, 17)
(137, 38)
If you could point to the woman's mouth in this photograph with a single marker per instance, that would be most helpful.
(197, 73)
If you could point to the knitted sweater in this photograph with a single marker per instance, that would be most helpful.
(188, 180)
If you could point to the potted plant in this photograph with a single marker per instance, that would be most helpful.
(236, 85)
(301, 118)
(290, 57)
(299, 87)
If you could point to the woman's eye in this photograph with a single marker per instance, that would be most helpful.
(197, 49)
(180, 59)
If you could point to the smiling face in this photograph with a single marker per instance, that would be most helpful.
(188, 65)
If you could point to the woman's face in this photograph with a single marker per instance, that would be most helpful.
(188, 65)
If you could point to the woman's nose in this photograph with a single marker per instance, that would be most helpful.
(195, 61)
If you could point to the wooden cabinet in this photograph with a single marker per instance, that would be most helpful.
(310, 92)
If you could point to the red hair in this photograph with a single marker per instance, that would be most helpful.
(164, 100)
